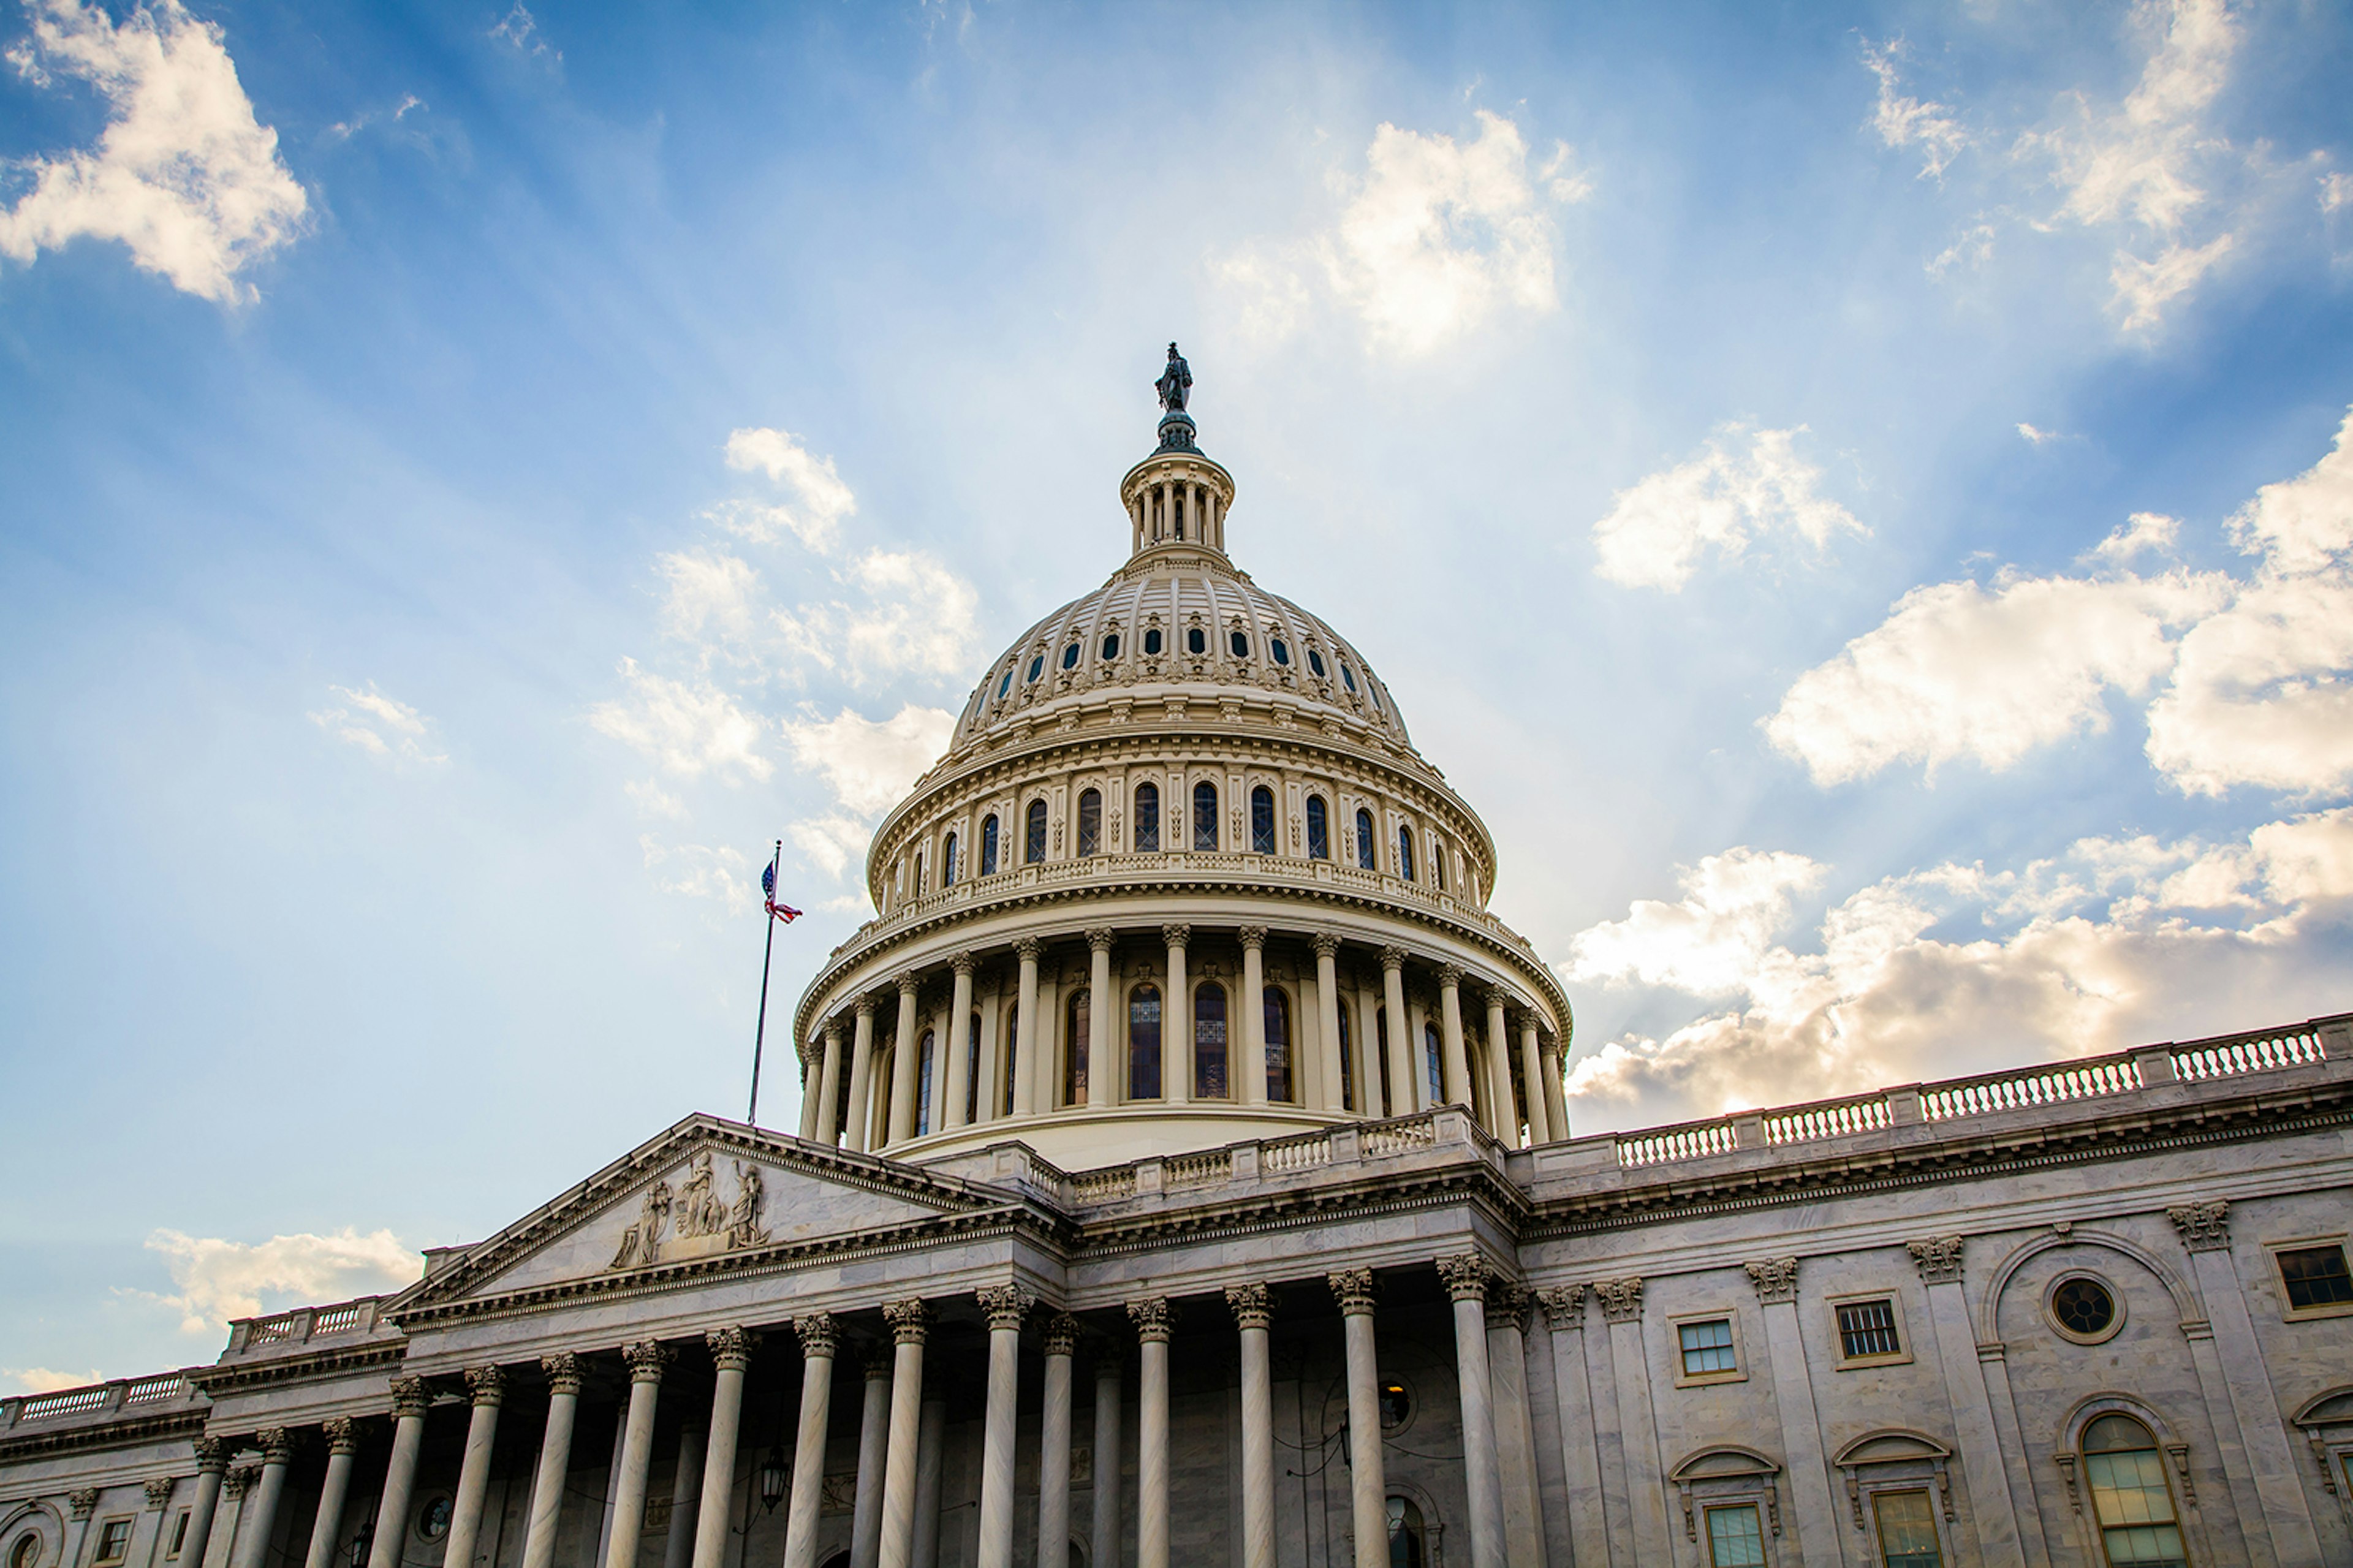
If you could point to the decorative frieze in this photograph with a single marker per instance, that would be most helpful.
(563, 1372)
(2204, 1227)
(1621, 1299)
(1776, 1278)
(1564, 1305)
(1254, 1305)
(1353, 1288)
(1939, 1258)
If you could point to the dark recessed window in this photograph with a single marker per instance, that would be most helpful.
(1070, 656)
(951, 863)
(1037, 666)
(1315, 663)
(1196, 640)
(1209, 1041)
(1867, 1328)
(1261, 821)
(433, 1519)
(1033, 844)
(1147, 818)
(1205, 816)
(1143, 1043)
(1397, 1406)
(1004, 685)
(1279, 650)
(1151, 641)
(1349, 678)
(1239, 643)
(1090, 821)
(1111, 645)
(1365, 840)
(1319, 829)
(2316, 1277)
(1404, 853)
(2082, 1306)
(988, 846)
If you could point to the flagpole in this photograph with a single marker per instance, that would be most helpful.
(760, 1031)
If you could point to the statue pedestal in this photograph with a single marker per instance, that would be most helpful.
(1176, 432)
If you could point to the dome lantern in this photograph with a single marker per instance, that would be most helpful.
(1178, 495)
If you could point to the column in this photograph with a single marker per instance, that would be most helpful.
(1775, 1279)
(685, 1498)
(1499, 1047)
(159, 1489)
(1455, 1056)
(988, 1066)
(1176, 1021)
(212, 1463)
(1541, 1126)
(1005, 1305)
(1154, 1320)
(554, 1460)
(829, 1093)
(2205, 1231)
(1367, 1489)
(81, 1502)
(903, 1063)
(1103, 1073)
(957, 1043)
(1250, 1086)
(1515, 1433)
(1580, 1450)
(1405, 1099)
(931, 1446)
(1025, 1029)
(861, 1067)
(1167, 521)
(646, 1359)
(409, 1402)
(1105, 1540)
(1327, 1021)
(253, 1543)
(911, 1321)
(1556, 1098)
(1987, 1478)
(1253, 1308)
(1054, 1445)
(343, 1445)
(1638, 1426)
(1466, 1274)
(486, 1387)
(818, 1343)
(873, 1446)
(730, 1357)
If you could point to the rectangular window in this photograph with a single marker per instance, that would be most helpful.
(1735, 1538)
(1867, 1330)
(1907, 1530)
(2315, 1276)
(179, 1534)
(1707, 1347)
(113, 1542)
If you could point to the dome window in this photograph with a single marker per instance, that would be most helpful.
(1279, 649)
(951, 863)
(1316, 665)
(1363, 839)
(1111, 645)
(1151, 642)
(988, 845)
(1147, 818)
(1004, 685)
(1037, 668)
(1196, 640)
(1404, 853)
(1240, 644)
(1261, 821)
(1033, 840)
(1091, 822)
(1070, 656)
(1348, 677)
(1319, 829)
(1205, 816)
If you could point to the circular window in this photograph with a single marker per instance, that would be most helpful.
(1111, 645)
(1152, 640)
(433, 1519)
(1037, 666)
(2084, 1309)
(1279, 649)
(1197, 640)
(25, 1553)
(1397, 1407)
(1315, 663)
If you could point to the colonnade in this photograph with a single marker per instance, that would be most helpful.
(1170, 507)
(1356, 1049)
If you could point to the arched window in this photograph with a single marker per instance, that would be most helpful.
(1143, 1043)
(1075, 1049)
(1012, 1054)
(1278, 1044)
(1437, 863)
(1196, 640)
(1033, 841)
(1209, 1041)
(1349, 1098)
(1111, 645)
(972, 1072)
(2131, 1498)
(27, 1552)
(1408, 1540)
(1405, 852)
(1240, 642)
(1364, 857)
(988, 845)
(919, 874)
(1380, 1068)
(1147, 818)
(1261, 821)
(1319, 829)
(1432, 1057)
(951, 865)
(1205, 816)
(1089, 822)
(924, 1055)
(1151, 642)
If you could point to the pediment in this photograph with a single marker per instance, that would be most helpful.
(704, 1193)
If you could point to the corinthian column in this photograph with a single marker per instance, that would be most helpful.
(1455, 1058)
(1367, 1491)
(1532, 1068)
(1005, 1305)
(903, 1064)
(828, 1094)
(1405, 1093)
(1102, 1075)
(1025, 1029)
(1253, 1308)
(1499, 1045)
(816, 1338)
(731, 1355)
(646, 1359)
(1054, 1445)
(410, 1399)
(958, 1045)
(874, 1449)
(554, 1460)
(487, 1387)
(1105, 1539)
(1516, 1441)
(1327, 1021)
(910, 1320)
(212, 1464)
(1154, 1320)
(861, 1069)
(1176, 1021)
(1249, 1088)
(326, 1523)
(1466, 1282)
(277, 1450)
(1555, 1096)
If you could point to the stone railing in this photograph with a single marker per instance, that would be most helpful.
(103, 1399)
(302, 1325)
(1243, 1162)
(1953, 1100)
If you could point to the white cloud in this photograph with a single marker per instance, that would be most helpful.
(713, 601)
(914, 616)
(1433, 239)
(43, 1380)
(701, 871)
(1708, 941)
(182, 174)
(220, 1280)
(830, 843)
(1906, 121)
(1973, 248)
(1956, 672)
(379, 725)
(819, 501)
(689, 730)
(520, 28)
(2034, 436)
(2143, 532)
(2336, 192)
(870, 764)
(1741, 486)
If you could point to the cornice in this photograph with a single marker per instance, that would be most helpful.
(113, 1433)
(236, 1377)
(1260, 1211)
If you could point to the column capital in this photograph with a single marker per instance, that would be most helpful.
(1563, 1306)
(486, 1385)
(646, 1360)
(1254, 938)
(1393, 958)
(1028, 950)
(1061, 1334)
(834, 1031)
(1005, 1305)
(1938, 1257)
(158, 1493)
(1154, 1318)
(235, 1484)
(1450, 976)
(818, 1338)
(1508, 1302)
(563, 1374)
(1776, 1278)
(84, 1500)
(962, 963)
(864, 1006)
(1353, 1288)
(1176, 934)
(910, 1319)
(2204, 1227)
(409, 1398)
(1254, 1305)
(343, 1435)
(877, 1361)
(731, 1348)
(1325, 944)
(1621, 1299)
(212, 1454)
(275, 1443)
(1101, 938)
(1466, 1274)
(909, 983)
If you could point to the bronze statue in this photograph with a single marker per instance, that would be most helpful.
(1175, 383)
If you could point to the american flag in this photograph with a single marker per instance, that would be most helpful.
(784, 912)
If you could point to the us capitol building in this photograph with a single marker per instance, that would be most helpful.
(1184, 1177)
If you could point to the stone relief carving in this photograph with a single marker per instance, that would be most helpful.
(693, 1221)
(1776, 1278)
(2204, 1227)
(1939, 1259)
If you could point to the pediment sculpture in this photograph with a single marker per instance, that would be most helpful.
(691, 1220)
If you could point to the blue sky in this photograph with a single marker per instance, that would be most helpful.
(1854, 495)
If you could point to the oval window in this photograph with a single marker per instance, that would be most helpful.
(1315, 663)
(433, 1519)
(2083, 1308)
(1240, 642)
(1348, 676)
(1070, 656)
(1037, 666)
(1151, 641)
(1196, 640)
(1111, 645)
(1279, 649)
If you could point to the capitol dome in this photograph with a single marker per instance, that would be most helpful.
(1197, 800)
